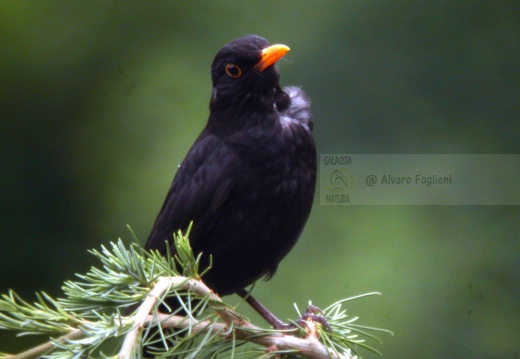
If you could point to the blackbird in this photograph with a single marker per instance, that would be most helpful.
(248, 181)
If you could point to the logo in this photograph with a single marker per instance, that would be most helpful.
(337, 180)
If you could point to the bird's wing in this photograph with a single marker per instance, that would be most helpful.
(202, 185)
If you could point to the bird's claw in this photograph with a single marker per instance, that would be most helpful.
(312, 313)
(315, 314)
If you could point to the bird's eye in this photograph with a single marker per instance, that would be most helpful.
(233, 70)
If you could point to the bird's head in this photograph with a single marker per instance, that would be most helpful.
(244, 74)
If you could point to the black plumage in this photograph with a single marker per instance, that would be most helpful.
(248, 181)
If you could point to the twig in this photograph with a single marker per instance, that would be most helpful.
(309, 346)
(139, 319)
(43, 349)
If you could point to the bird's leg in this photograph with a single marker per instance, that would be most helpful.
(276, 323)
(263, 311)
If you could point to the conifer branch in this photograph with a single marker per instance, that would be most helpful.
(90, 314)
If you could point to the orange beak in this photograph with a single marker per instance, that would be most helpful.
(270, 55)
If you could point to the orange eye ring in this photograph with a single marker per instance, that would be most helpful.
(233, 70)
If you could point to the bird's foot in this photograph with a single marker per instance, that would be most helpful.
(312, 314)
(315, 315)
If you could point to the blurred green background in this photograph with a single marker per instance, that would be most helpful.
(101, 100)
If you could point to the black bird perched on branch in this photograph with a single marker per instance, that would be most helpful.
(248, 181)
